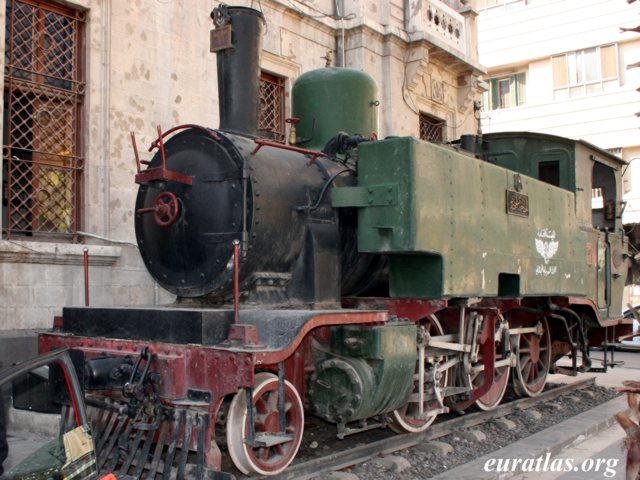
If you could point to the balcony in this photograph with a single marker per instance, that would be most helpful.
(441, 25)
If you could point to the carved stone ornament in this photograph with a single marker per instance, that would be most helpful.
(437, 91)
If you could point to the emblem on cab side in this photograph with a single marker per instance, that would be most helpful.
(546, 246)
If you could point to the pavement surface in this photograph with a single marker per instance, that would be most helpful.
(27, 433)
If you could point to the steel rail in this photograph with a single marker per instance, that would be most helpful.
(362, 453)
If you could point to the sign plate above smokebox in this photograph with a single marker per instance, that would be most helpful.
(220, 38)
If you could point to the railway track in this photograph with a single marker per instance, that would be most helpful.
(349, 456)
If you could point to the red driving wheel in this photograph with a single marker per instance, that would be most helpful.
(166, 209)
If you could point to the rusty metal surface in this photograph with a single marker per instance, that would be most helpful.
(183, 367)
(630, 424)
(145, 451)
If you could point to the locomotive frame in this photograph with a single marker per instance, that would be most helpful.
(389, 330)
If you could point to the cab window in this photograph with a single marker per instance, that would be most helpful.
(603, 197)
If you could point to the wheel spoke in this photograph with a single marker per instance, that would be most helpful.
(405, 419)
(260, 406)
(272, 402)
(264, 454)
(264, 460)
(532, 368)
(494, 395)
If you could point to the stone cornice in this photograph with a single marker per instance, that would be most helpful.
(19, 251)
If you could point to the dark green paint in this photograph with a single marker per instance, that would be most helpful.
(528, 154)
(337, 100)
(450, 235)
(367, 371)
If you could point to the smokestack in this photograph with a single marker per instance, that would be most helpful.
(236, 39)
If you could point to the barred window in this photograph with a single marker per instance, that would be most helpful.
(43, 97)
(272, 108)
(431, 128)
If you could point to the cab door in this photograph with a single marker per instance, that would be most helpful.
(604, 273)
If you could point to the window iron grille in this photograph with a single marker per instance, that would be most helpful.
(272, 108)
(431, 128)
(43, 96)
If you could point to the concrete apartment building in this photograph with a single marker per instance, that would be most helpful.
(566, 67)
(80, 75)
(561, 67)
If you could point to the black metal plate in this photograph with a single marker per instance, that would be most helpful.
(179, 257)
(517, 203)
(171, 325)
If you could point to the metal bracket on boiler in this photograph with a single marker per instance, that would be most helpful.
(245, 334)
(161, 172)
(383, 195)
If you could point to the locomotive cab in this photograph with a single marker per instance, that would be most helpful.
(594, 176)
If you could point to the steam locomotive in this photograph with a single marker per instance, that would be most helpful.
(371, 283)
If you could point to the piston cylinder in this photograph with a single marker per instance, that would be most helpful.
(368, 371)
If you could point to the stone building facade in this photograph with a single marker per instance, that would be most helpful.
(80, 75)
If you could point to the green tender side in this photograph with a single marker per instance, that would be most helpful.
(320, 100)
(441, 216)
